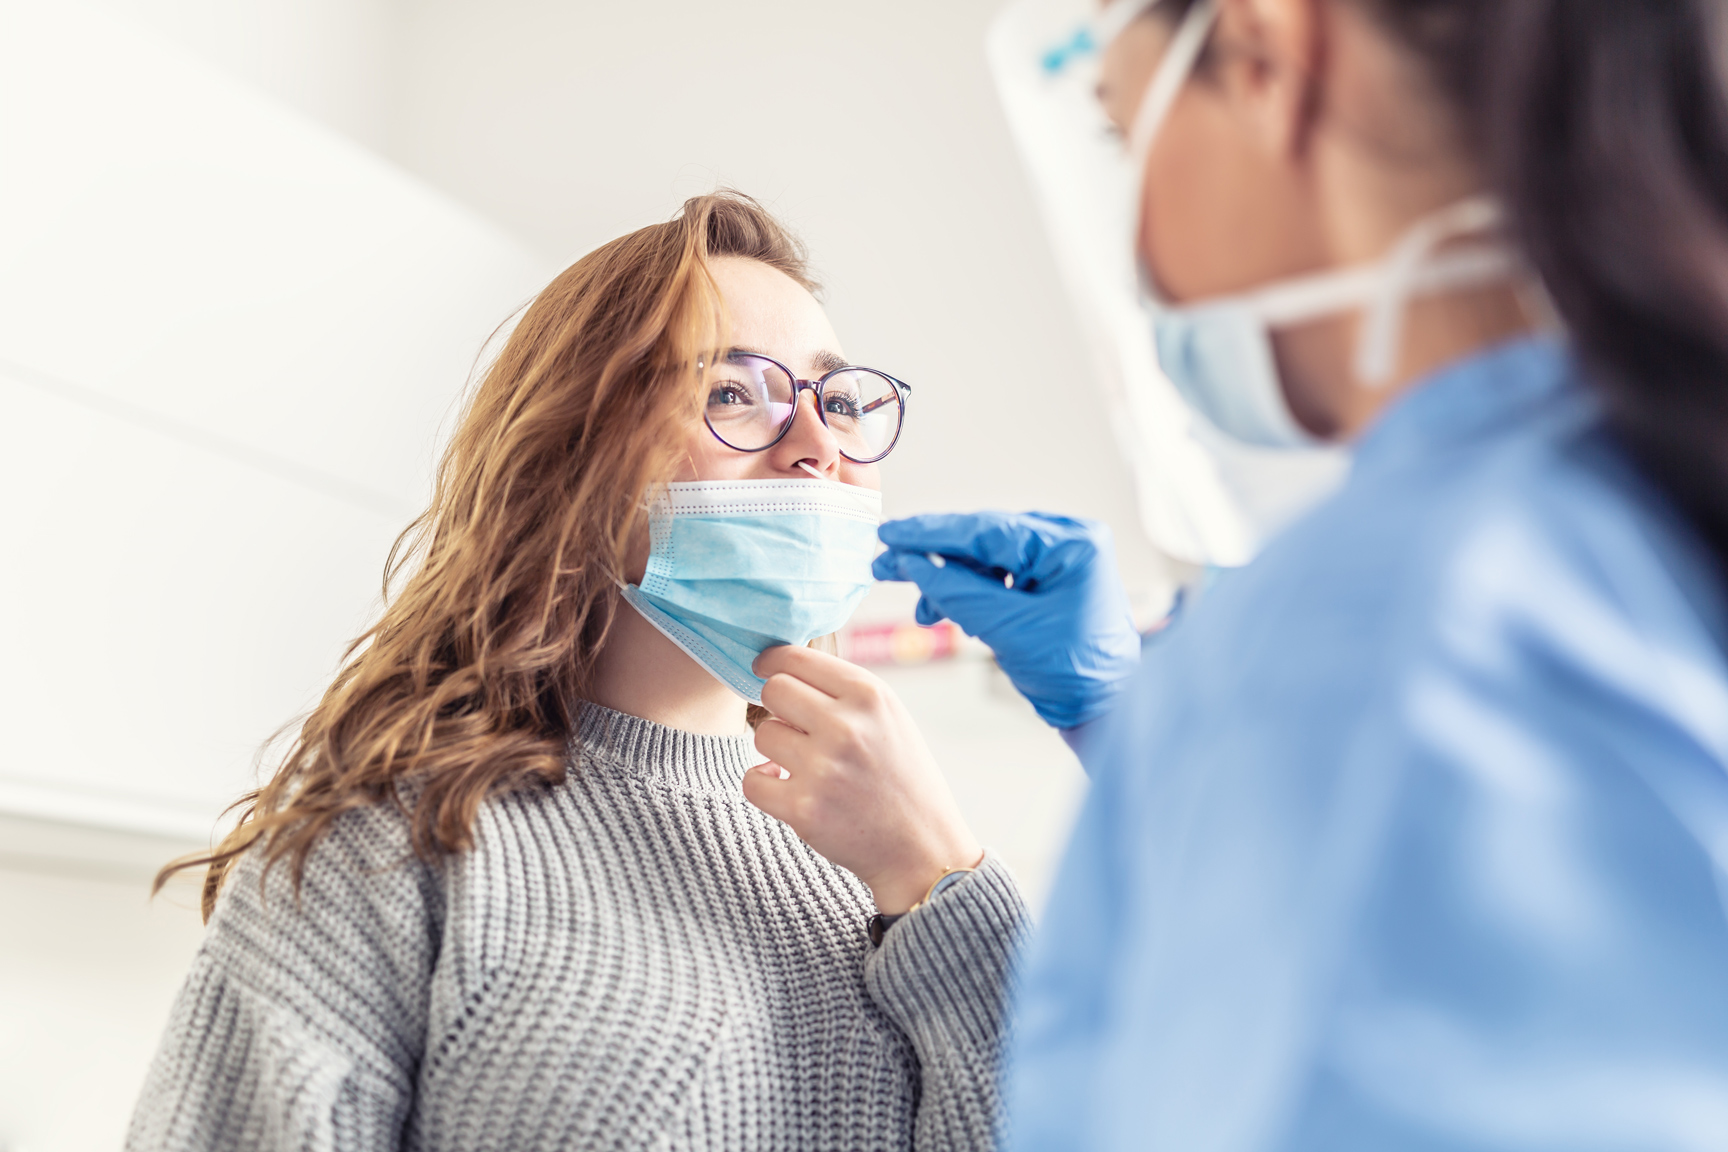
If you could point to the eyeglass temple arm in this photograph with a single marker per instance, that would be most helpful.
(875, 404)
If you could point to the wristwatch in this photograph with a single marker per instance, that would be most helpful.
(881, 922)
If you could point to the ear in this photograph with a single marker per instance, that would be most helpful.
(1272, 57)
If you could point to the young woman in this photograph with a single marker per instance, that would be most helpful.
(1414, 833)
(506, 891)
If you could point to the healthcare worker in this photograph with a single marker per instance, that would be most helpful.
(1413, 832)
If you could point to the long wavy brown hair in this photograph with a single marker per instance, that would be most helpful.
(505, 587)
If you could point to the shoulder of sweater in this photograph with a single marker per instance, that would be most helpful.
(363, 863)
(335, 969)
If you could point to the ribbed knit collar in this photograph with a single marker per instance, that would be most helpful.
(662, 755)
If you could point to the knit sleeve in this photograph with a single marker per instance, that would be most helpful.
(943, 974)
(302, 1021)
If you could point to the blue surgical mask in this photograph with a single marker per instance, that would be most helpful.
(1220, 360)
(738, 566)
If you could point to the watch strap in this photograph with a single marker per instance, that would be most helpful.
(879, 924)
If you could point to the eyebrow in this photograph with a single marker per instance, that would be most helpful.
(824, 362)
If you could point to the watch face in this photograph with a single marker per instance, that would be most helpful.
(948, 881)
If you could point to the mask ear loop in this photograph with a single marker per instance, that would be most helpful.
(1383, 325)
(1156, 102)
(1173, 72)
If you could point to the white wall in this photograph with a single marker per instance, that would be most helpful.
(227, 341)
(329, 59)
(88, 967)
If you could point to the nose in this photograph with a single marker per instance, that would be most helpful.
(808, 441)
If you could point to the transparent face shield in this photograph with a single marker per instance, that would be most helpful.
(1203, 497)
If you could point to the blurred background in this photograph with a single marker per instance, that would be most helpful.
(249, 251)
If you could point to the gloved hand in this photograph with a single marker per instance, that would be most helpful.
(1062, 632)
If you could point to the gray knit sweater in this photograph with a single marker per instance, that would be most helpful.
(636, 958)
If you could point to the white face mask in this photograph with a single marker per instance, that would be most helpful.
(1218, 352)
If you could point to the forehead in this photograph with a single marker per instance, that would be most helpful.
(772, 313)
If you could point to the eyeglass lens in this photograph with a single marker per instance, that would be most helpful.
(750, 400)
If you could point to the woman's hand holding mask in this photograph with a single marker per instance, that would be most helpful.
(859, 785)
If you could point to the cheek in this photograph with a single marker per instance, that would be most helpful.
(1214, 218)
(863, 475)
(705, 458)
(1186, 202)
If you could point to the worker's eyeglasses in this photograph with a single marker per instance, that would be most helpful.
(752, 400)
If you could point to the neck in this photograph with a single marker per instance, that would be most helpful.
(1317, 361)
(643, 674)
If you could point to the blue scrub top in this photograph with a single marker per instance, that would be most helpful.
(1412, 834)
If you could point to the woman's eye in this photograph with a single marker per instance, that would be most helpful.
(840, 406)
(727, 395)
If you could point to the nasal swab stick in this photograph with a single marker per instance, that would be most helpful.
(941, 561)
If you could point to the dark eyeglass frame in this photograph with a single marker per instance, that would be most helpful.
(902, 392)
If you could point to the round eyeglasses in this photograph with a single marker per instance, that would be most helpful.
(752, 400)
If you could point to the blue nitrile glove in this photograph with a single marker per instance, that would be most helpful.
(1063, 632)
